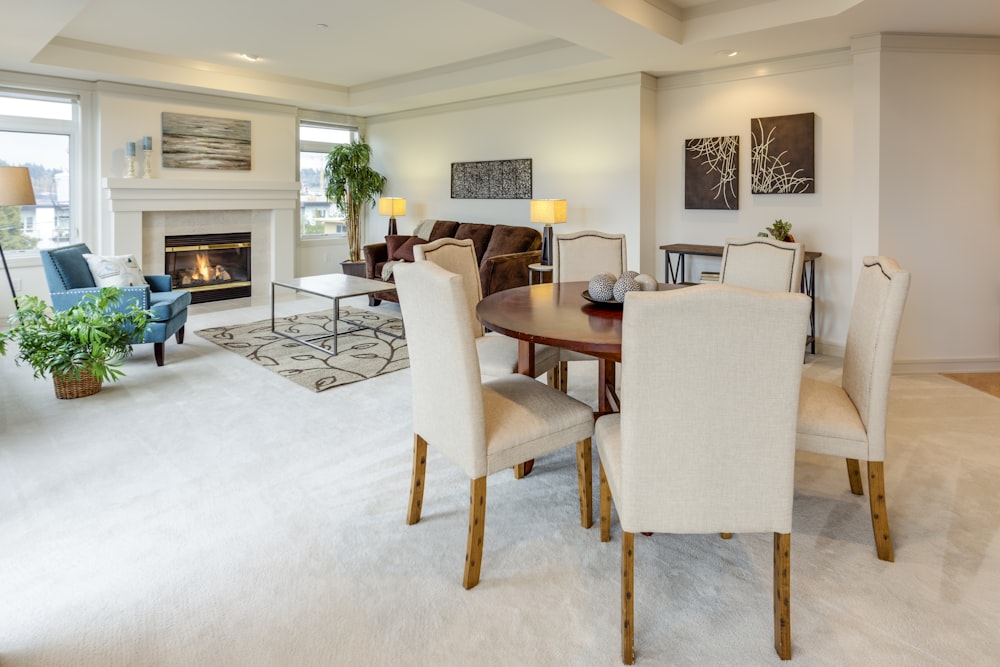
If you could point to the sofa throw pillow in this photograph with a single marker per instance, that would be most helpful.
(401, 247)
(115, 270)
(392, 243)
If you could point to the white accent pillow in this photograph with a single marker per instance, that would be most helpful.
(115, 270)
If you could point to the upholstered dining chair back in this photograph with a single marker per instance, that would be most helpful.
(447, 386)
(762, 263)
(579, 256)
(871, 343)
(457, 256)
(708, 419)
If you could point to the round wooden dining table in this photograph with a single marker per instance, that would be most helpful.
(557, 314)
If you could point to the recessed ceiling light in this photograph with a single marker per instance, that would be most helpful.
(322, 26)
(249, 56)
(727, 53)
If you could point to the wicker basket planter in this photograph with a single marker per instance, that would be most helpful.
(70, 387)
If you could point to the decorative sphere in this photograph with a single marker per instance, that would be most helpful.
(602, 286)
(625, 284)
(646, 282)
(631, 274)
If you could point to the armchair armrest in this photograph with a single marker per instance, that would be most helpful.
(375, 253)
(64, 299)
(159, 283)
(502, 272)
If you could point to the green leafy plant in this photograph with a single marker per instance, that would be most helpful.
(352, 184)
(780, 230)
(92, 337)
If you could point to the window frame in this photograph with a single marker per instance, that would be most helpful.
(72, 129)
(309, 146)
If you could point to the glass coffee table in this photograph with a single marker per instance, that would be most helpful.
(334, 286)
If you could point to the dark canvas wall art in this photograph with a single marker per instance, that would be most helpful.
(783, 154)
(711, 173)
(492, 179)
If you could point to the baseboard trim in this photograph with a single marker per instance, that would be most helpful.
(924, 366)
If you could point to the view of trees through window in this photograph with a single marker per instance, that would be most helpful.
(36, 133)
(318, 216)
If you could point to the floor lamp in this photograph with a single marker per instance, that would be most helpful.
(15, 190)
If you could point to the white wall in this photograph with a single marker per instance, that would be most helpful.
(723, 105)
(584, 144)
(940, 201)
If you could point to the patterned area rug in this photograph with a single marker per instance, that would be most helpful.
(362, 354)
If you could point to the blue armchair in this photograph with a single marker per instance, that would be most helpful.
(69, 279)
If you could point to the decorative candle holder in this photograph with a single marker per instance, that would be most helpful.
(147, 170)
(129, 166)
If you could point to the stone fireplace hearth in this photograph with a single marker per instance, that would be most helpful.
(140, 213)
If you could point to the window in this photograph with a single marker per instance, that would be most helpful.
(319, 217)
(38, 133)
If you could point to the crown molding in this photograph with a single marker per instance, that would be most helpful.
(802, 63)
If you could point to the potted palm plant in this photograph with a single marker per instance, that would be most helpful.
(80, 347)
(352, 184)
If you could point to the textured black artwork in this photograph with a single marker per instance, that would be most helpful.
(712, 173)
(783, 154)
(493, 179)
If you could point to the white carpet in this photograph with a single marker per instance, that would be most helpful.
(206, 513)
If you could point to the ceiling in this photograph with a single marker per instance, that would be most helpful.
(368, 57)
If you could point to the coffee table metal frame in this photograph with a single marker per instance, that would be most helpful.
(334, 286)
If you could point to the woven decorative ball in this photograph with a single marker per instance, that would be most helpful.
(631, 274)
(625, 284)
(602, 287)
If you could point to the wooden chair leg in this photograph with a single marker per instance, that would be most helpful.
(585, 482)
(179, 336)
(628, 607)
(477, 519)
(726, 536)
(854, 477)
(417, 480)
(563, 374)
(158, 353)
(552, 377)
(782, 590)
(880, 515)
(604, 492)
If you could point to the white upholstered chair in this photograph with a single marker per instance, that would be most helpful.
(705, 441)
(762, 263)
(497, 353)
(579, 256)
(482, 427)
(849, 419)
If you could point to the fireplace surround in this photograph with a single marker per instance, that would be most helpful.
(140, 213)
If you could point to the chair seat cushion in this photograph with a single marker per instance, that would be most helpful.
(828, 422)
(167, 305)
(498, 356)
(525, 418)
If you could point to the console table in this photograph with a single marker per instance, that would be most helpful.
(676, 273)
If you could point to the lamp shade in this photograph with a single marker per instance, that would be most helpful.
(548, 211)
(392, 206)
(15, 187)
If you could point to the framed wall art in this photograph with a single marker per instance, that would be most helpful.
(783, 154)
(712, 173)
(204, 142)
(492, 179)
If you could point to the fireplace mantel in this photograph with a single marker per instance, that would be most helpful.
(127, 199)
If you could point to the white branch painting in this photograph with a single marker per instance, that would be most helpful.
(712, 173)
(782, 155)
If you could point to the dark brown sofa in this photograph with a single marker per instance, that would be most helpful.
(504, 253)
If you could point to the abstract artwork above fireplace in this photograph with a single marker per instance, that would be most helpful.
(205, 142)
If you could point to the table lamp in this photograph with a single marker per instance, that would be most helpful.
(15, 190)
(392, 206)
(548, 212)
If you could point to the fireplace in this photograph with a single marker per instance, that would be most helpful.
(212, 267)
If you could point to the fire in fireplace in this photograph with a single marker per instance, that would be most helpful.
(212, 266)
